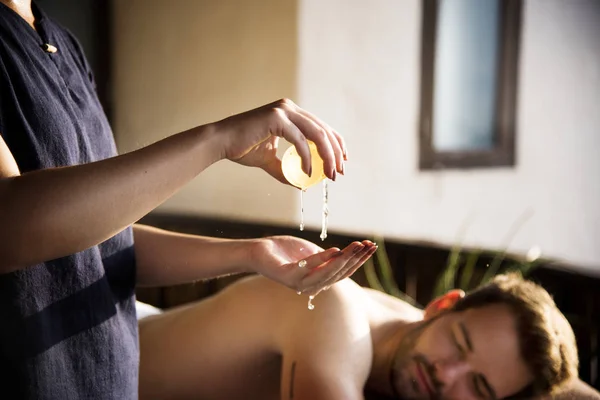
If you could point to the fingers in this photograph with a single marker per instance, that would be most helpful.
(274, 169)
(367, 252)
(356, 262)
(337, 142)
(359, 264)
(318, 277)
(325, 274)
(342, 143)
(319, 136)
(273, 164)
(298, 125)
(291, 133)
(302, 272)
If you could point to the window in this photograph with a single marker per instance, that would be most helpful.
(469, 65)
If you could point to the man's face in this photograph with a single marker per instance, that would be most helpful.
(472, 354)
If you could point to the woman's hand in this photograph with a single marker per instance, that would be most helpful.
(251, 138)
(304, 266)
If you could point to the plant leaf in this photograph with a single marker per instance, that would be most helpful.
(467, 272)
(493, 267)
(385, 268)
(512, 232)
(371, 276)
(388, 283)
(447, 278)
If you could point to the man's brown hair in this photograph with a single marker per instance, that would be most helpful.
(546, 339)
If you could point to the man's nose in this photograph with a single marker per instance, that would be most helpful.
(449, 371)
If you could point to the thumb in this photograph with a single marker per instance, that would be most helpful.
(274, 169)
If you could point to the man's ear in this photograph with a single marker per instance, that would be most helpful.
(444, 302)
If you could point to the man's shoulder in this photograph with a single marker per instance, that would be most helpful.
(331, 345)
(336, 329)
(341, 307)
(346, 298)
(333, 339)
(401, 308)
(342, 294)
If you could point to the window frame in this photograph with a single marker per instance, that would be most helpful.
(503, 152)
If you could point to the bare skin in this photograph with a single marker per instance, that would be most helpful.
(236, 344)
(23, 8)
(258, 340)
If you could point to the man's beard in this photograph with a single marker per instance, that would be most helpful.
(403, 384)
(406, 386)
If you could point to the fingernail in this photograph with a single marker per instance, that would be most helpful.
(343, 168)
(334, 174)
(345, 155)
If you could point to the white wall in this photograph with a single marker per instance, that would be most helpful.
(359, 69)
(357, 66)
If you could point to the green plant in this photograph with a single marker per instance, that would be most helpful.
(380, 274)
(462, 267)
(460, 271)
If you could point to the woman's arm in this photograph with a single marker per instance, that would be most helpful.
(55, 212)
(168, 258)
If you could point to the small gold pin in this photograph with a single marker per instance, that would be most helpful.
(48, 48)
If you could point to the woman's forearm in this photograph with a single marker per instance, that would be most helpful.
(55, 212)
(168, 258)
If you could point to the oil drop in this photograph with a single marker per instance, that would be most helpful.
(325, 210)
(302, 209)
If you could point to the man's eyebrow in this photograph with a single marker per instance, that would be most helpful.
(480, 378)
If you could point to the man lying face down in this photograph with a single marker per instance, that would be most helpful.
(258, 340)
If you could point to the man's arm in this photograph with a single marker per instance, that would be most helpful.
(168, 258)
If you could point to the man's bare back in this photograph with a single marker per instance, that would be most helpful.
(258, 340)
